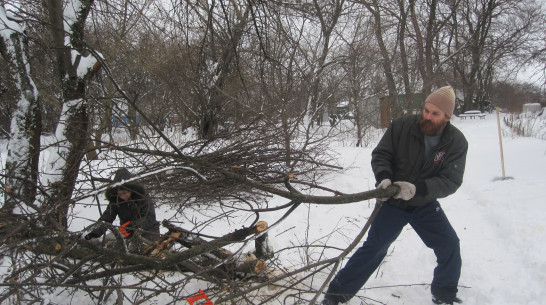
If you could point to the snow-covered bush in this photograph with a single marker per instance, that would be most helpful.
(528, 124)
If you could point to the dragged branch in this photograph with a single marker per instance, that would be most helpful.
(211, 255)
(297, 196)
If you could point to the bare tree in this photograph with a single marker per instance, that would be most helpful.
(496, 29)
(375, 10)
(23, 149)
(361, 75)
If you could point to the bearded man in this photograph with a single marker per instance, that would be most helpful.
(425, 156)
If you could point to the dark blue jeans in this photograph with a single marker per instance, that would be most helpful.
(434, 229)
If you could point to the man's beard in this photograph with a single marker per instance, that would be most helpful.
(429, 128)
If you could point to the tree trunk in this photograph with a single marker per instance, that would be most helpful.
(24, 145)
(386, 62)
(72, 130)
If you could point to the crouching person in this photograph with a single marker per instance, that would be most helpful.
(131, 203)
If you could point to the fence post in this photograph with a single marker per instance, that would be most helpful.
(500, 143)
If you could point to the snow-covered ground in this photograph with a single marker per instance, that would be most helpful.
(501, 225)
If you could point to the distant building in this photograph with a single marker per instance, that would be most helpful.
(379, 110)
(532, 107)
(123, 120)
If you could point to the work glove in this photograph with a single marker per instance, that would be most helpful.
(91, 236)
(126, 229)
(407, 190)
(383, 185)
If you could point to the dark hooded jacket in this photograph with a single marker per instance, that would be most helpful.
(138, 210)
(400, 156)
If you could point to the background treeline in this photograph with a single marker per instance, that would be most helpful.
(212, 64)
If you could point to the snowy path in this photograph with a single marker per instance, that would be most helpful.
(500, 224)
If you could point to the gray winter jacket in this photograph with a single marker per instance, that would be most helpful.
(138, 210)
(400, 156)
